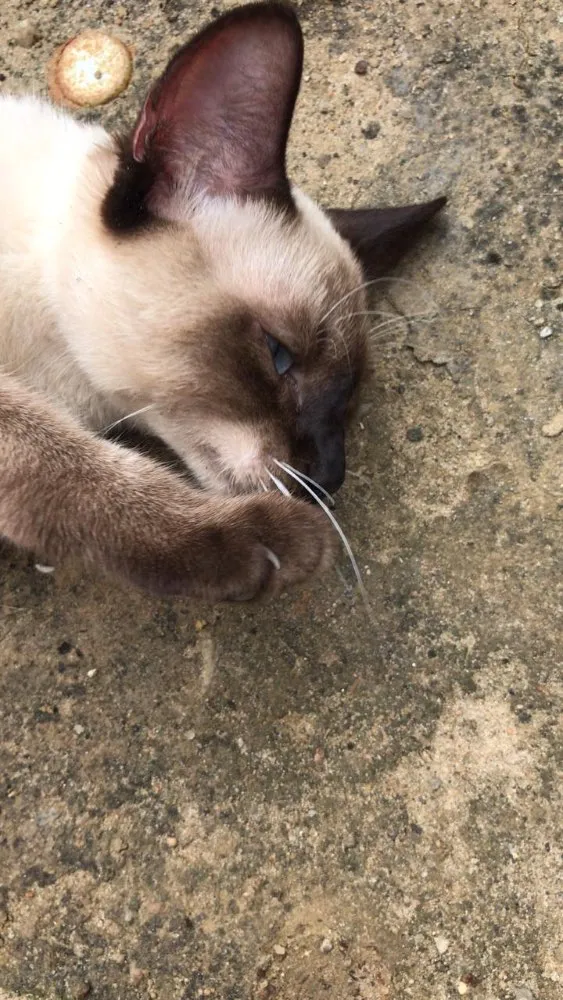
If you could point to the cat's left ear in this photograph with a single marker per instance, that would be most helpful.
(218, 119)
(381, 236)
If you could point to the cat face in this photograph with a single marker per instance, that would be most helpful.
(236, 306)
(244, 353)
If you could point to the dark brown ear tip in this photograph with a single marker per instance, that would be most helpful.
(428, 209)
(438, 203)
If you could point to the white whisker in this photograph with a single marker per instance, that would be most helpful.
(287, 469)
(385, 324)
(396, 315)
(278, 483)
(367, 284)
(344, 298)
(314, 483)
(127, 416)
(389, 326)
(344, 343)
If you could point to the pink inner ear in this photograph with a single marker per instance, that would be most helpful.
(143, 129)
(219, 116)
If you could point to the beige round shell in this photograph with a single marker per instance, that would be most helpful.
(90, 69)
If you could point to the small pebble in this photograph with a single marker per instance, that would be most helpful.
(279, 950)
(462, 989)
(545, 332)
(371, 130)
(26, 34)
(554, 426)
(91, 673)
(190, 735)
(41, 568)
(361, 67)
(78, 729)
(326, 946)
(415, 433)
(442, 944)
(171, 841)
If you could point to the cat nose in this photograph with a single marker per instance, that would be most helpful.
(329, 467)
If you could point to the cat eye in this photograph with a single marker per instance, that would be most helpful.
(282, 358)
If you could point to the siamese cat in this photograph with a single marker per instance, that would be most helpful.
(176, 275)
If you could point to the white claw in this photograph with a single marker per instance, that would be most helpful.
(273, 558)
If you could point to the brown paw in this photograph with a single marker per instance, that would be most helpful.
(231, 549)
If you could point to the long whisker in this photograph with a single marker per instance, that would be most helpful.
(367, 284)
(278, 483)
(127, 416)
(387, 322)
(343, 341)
(331, 517)
(330, 499)
(389, 315)
(381, 329)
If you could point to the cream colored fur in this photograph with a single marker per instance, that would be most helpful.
(105, 326)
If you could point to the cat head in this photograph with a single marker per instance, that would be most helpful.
(233, 307)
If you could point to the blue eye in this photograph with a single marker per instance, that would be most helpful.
(282, 358)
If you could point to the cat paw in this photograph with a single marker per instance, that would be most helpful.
(274, 542)
(234, 549)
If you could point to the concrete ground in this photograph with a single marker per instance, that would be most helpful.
(301, 801)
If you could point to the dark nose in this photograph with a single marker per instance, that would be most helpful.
(329, 466)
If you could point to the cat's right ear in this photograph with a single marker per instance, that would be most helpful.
(218, 119)
(381, 236)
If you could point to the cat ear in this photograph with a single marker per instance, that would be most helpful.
(380, 236)
(218, 119)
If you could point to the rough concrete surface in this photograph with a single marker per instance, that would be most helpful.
(300, 801)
